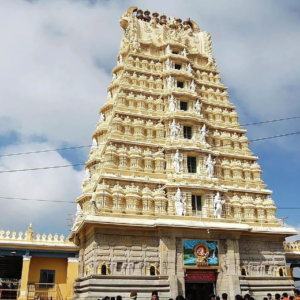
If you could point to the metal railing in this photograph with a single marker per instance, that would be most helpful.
(44, 291)
(9, 290)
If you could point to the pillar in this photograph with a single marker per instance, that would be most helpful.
(24, 278)
(72, 274)
(232, 263)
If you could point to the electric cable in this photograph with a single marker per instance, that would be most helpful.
(82, 164)
(73, 202)
(86, 146)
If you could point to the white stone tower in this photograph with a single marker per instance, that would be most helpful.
(169, 162)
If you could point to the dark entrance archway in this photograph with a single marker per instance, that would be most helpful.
(10, 275)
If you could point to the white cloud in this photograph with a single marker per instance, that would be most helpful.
(54, 184)
(50, 83)
(55, 63)
(295, 237)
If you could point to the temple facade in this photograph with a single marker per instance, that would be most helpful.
(172, 198)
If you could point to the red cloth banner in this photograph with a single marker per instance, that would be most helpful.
(200, 275)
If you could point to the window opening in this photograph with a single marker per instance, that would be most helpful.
(183, 105)
(103, 270)
(174, 52)
(152, 271)
(177, 67)
(187, 132)
(196, 203)
(280, 272)
(180, 84)
(119, 267)
(47, 276)
(192, 167)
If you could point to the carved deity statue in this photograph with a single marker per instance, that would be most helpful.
(189, 68)
(135, 44)
(210, 163)
(87, 175)
(180, 204)
(102, 117)
(170, 82)
(198, 107)
(114, 77)
(193, 86)
(168, 64)
(218, 206)
(184, 53)
(109, 95)
(203, 133)
(211, 61)
(78, 210)
(168, 50)
(120, 59)
(172, 103)
(177, 161)
(175, 129)
(94, 145)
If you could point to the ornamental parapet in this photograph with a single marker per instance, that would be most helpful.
(292, 246)
(29, 236)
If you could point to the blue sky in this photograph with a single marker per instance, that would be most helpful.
(55, 65)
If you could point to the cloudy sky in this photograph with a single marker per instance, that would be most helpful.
(55, 62)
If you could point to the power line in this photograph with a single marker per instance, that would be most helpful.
(39, 200)
(73, 202)
(87, 146)
(47, 150)
(82, 164)
(271, 121)
(42, 168)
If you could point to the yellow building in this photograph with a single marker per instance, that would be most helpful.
(43, 266)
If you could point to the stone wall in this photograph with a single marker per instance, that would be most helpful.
(133, 252)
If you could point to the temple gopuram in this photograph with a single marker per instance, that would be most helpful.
(172, 198)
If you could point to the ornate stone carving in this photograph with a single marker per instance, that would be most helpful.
(210, 166)
(218, 206)
(177, 162)
(172, 103)
(175, 129)
(198, 107)
(180, 204)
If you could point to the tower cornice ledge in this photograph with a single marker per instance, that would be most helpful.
(187, 224)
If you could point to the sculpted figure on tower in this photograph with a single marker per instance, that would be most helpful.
(175, 129)
(168, 64)
(210, 166)
(180, 204)
(193, 86)
(198, 107)
(172, 103)
(203, 133)
(168, 50)
(218, 202)
(170, 82)
(177, 161)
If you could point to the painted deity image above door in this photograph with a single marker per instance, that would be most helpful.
(200, 254)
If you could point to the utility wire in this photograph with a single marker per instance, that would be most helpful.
(39, 200)
(47, 150)
(86, 146)
(42, 168)
(73, 202)
(82, 164)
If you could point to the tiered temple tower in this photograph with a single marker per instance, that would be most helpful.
(169, 170)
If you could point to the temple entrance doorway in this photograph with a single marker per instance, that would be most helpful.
(200, 284)
(199, 290)
(10, 275)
